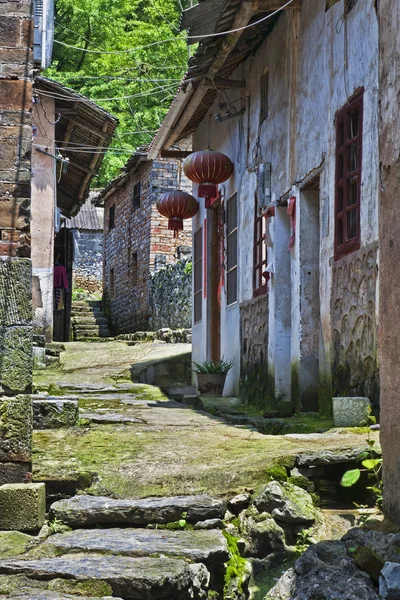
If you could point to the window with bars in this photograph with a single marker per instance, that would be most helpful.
(264, 88)
(198, 275)
(231, 249)
(348, 176)
(260, 251)
(111, 218)
(136, 196)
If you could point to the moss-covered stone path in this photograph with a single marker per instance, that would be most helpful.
(159, 447)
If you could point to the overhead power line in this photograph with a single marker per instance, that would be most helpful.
(174, 39)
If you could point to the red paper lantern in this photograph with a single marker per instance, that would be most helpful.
(208, 168)
(176, 206)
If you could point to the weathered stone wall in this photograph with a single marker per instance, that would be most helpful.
(16, 41)
(170, 296)
(88, 263)
(354, 325)
(142, 233)
(254, 378)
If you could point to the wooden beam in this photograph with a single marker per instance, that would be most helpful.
(225, 83)
(83, 125)
(78, 165)
(272, 5)
(92, 167)
(228, 43)
(175, 153)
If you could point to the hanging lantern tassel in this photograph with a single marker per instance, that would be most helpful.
(176, 206)
(176, 224)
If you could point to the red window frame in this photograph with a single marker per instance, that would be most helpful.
(259, 251)
(349, 122)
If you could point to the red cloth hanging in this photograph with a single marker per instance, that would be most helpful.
(291, 211)
(60, 277)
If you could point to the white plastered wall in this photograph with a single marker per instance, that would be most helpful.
(316, 60)
(42, 216)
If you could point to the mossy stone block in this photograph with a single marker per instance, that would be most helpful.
(22, 506)
(16, 429)
(16, 359)
(16, 294)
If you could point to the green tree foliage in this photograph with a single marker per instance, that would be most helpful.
(144, 80)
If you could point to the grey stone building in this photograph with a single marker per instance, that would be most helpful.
(146, 278)
(87, 230)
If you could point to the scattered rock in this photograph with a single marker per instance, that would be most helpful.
(92, 510)
(208, 547)
(286, 503)
(285, 588)
(369, 561)
(210, 524)
(239, 502)
(53, 413)
(326, 571)
(261, 532)
(386, 545)
(389, 582)
(149, 578)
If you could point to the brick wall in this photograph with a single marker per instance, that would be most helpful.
(140, 237)
(15, 265)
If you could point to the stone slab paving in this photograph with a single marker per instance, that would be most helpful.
(102, 416)
(131, 578)
(83, 510)
(208, 547)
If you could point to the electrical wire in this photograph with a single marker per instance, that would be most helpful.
(174, 39)
(59, 96)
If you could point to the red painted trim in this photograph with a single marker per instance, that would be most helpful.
(205, 258)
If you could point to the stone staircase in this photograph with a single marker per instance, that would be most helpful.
(88, 321)
(125, 549)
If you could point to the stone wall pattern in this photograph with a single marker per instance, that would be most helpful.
(354, 325)
(254, 379)
(16, 69)
(88, 264)
(142, 234)
(170, 296)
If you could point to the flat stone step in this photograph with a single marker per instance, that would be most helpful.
(131, 578)
(109, 417)
(32, 594)
(177, 392)
(208, 547)
(85, 333)
(80, 511)
(53, 413)
(88, 388)
(89, 320)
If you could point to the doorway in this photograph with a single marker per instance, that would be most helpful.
(63, 256)
(310, 320)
